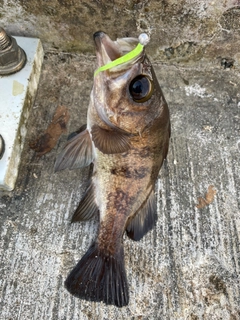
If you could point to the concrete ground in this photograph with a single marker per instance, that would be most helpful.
(188, 266)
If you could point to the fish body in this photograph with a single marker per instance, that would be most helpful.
(126, 139)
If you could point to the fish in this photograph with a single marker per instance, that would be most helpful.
(126, 140)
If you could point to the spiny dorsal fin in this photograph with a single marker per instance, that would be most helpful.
(110, 141)
(77, 153)
(87, 207)
(144, 220)
(99, 276)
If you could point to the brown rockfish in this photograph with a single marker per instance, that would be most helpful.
(126, 139)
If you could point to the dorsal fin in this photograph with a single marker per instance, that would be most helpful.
(144, 220)
(77, 153)
(110, 141)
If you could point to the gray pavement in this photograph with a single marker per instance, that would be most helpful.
(188, 266)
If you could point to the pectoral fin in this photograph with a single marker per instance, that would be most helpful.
(144, 220)
(77, 153)
(110, 141)
(74, 133)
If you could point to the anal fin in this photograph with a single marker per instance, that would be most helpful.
(87, 207)
(144, 220)
(99, 276)
(110, 141)
(77, 152)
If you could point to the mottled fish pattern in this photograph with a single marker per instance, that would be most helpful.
(126, 139)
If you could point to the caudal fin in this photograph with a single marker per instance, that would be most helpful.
(99, 276)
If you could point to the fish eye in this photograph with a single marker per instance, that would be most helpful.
(141, 88)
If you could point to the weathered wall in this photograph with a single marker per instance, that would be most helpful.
(181, 30)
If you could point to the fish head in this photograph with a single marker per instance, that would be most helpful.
(126, 96)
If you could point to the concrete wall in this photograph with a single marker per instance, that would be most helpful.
(181, 30)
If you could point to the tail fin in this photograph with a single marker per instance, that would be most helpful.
(99, 276)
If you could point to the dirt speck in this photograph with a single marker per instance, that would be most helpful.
(209, 197)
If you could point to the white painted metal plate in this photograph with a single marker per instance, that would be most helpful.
(17, 92)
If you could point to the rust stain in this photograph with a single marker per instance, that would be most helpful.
(209, 197)
(47, 141)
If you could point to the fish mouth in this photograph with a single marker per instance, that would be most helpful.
(108, 50)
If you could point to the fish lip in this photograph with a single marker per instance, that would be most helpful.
(106, 49)
(98, 34)
(97, 37)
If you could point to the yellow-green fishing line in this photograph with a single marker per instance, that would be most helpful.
(127, 57)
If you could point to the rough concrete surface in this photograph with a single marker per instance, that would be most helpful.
(188, 267)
